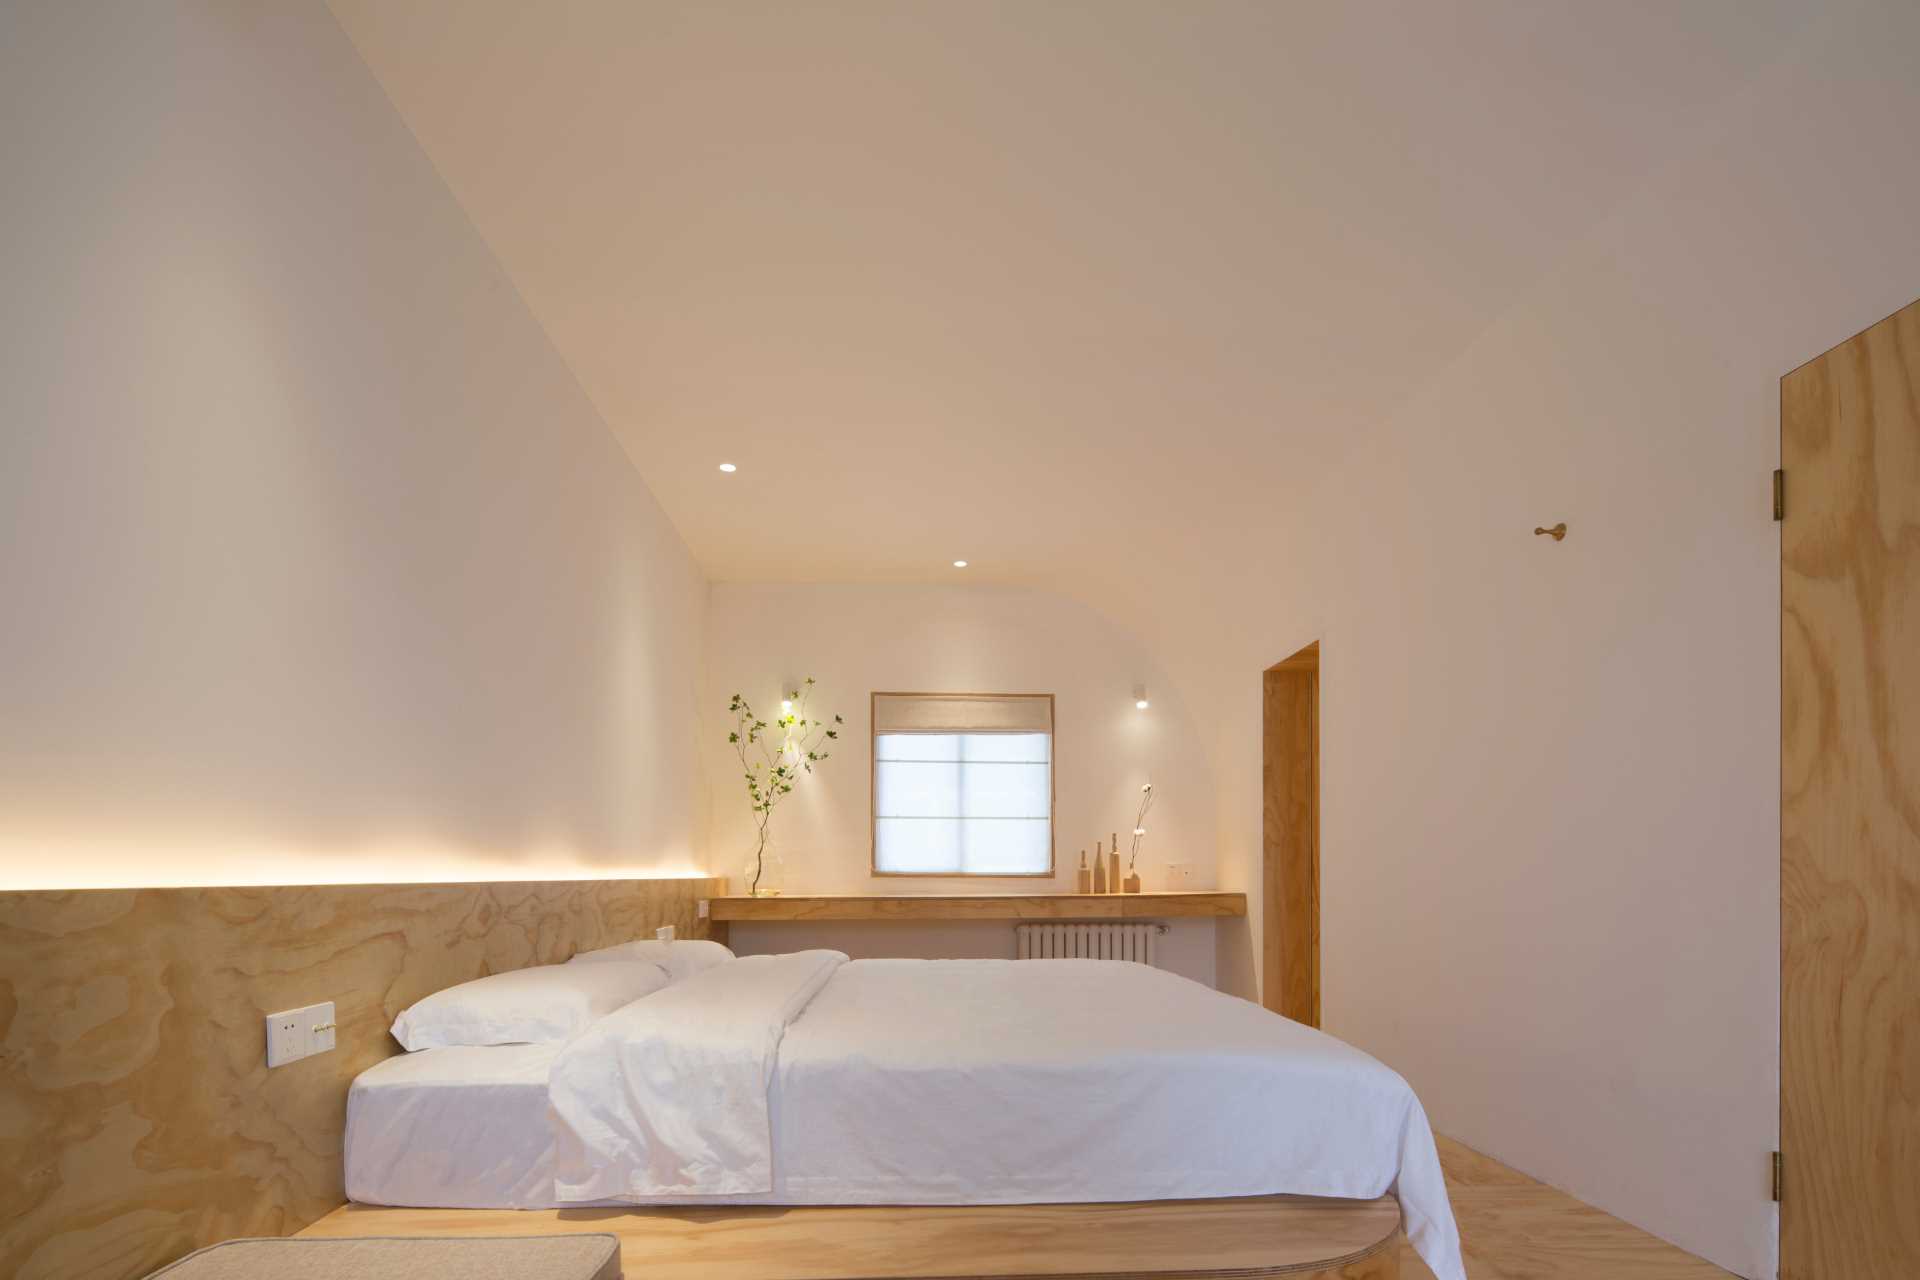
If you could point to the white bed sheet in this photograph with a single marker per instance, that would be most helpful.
(469, 1127)
(1071, 1080)
(1087, 1080)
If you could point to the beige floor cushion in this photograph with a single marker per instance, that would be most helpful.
(571, 1257)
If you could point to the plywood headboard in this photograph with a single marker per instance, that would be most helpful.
(138, 1120)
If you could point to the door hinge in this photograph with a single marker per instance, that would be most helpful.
(1779, 1173)
(1779, 495)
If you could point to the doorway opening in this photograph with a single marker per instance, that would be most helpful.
(1290, 877)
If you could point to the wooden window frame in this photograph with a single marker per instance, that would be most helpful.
(873, 789)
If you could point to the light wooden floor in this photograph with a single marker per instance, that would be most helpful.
(1513, 1228)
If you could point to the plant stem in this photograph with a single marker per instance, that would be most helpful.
(760, 856)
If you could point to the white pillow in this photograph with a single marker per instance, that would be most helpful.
(540, 1005)
(681, 958)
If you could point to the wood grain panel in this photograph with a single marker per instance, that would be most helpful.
(1290, 774)
(1298, 1237)
(983, 906)
(1382, 1265)
(1466, 1168)
(138, 1120)
(1850, 809)
(1514, 1228)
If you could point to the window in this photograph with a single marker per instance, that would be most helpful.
(962, 784)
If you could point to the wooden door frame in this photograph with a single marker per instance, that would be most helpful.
(1290, 837)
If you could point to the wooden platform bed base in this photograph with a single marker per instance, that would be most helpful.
(1297, 1237)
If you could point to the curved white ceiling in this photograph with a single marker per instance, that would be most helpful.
(1054, 286)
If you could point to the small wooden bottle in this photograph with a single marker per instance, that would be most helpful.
(1099, 869)
(1113, 871)
(1084, 884)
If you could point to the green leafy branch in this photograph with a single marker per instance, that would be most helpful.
(773, 757)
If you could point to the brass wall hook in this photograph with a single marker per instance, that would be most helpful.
(1558, 531)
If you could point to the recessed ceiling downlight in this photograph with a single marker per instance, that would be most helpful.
(728, 467)
(959, 564)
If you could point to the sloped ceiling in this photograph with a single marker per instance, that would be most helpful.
(1051, 286)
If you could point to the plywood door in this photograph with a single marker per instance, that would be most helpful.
(1290, 926)
(1850, 811)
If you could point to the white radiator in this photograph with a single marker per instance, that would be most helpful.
(1103, 941)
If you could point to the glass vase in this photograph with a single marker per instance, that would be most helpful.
(766, 872)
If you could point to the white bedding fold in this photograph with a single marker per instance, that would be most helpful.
(668, 1096)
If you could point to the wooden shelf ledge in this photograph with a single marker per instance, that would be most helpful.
(983, 906)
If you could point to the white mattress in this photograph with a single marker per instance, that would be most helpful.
(454, 1126)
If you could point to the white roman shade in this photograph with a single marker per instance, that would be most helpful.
(963, 784)
(962, 713)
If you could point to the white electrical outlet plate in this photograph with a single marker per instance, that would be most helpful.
(293, 1034)
(704, 908)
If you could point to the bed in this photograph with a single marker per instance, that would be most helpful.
(809, 1079)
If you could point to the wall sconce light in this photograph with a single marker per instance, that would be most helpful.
(1140, 702)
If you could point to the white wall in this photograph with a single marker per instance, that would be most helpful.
(1550, 793)
(315, 564)
(856, 640)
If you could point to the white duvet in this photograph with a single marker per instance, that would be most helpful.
(807, 1079)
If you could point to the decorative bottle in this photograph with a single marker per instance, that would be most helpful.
(1099, 869)
(1113, 870)
(1084, 884)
